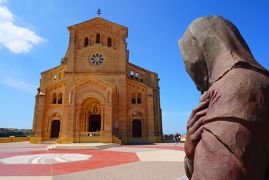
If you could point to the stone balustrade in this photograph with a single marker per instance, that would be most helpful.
(90, 134)
(13, 139)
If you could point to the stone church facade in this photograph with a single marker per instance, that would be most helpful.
(96, 94)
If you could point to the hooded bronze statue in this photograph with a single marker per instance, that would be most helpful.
(228, 132)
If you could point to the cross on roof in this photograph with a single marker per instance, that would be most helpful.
(98, 12)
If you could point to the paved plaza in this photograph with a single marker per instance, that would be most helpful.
(34, 161)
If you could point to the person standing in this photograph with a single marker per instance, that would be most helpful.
(176, 138)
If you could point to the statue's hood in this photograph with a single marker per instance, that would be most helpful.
(210, 47)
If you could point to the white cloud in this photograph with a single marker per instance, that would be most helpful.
(19, 84)
(17, 39)
(5, 14)
(3, 1)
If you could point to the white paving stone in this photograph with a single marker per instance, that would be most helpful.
(45, 158)
(162, 155)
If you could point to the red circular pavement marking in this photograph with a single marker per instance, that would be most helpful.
(99, 159)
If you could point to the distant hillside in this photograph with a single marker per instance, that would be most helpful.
(6, 132)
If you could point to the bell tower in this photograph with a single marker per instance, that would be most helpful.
(96, 46)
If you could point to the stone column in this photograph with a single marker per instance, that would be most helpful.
(38, 119)
(150, 118)
(87, 121)
(107, 124)
(102, 117)
(77, 123)
(108, 118)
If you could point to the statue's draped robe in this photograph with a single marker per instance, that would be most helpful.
(235, 139)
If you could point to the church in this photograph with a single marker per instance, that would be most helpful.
(96, 94)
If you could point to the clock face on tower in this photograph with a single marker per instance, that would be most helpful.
(97, 59)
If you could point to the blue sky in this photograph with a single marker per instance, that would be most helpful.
(34, 38)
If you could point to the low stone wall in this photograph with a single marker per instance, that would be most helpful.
(13, 139)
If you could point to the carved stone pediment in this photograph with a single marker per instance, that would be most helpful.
(93, 82)
(101, 23)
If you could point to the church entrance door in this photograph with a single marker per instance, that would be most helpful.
(95, 122)
(137, 128)
(55, 129)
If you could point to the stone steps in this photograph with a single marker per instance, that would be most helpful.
(138, 141)
(48, 142)
(116, 139)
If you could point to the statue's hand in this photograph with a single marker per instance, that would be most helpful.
(195, 128)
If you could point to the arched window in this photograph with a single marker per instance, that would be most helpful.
(54, 99)
(133, 98)
(109, 42)
(98, 38)
(60, 98)
(132, 74)
(139, 98)
(136, 76)
(86, 42)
